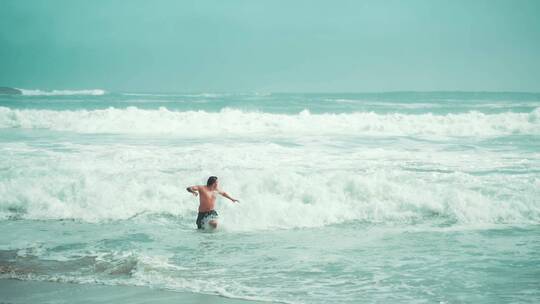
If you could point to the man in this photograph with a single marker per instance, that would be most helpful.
(207, 200)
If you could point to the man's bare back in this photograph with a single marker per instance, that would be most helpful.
(207, 200)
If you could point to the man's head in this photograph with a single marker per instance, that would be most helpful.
(212, 182)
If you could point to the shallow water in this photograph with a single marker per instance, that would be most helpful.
(408, 197)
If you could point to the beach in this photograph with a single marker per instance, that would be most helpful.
(17, 291)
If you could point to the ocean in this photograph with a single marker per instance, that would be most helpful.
(407, 197)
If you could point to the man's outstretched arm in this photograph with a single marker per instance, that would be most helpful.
(193, 190)
(223, 193)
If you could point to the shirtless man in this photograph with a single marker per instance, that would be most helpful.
(207, 200)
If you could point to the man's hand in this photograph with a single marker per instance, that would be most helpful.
(193, 190)
(235, 201)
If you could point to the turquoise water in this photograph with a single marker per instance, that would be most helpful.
(345, 198)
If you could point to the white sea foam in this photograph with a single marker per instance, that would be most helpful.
(93, 92)
(231, 122)
(192, 95)
(279, 187)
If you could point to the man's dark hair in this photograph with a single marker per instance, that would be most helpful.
(211, 180)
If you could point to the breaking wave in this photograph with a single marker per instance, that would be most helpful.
(123, 188)
(231, 122)
(91, 92)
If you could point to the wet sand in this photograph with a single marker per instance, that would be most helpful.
(31, 292)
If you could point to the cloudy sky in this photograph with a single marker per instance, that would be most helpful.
(271, 46)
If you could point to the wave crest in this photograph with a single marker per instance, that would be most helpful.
(92, 92)
(271, 199)
(230, 122)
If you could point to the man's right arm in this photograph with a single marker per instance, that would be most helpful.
(193, 190)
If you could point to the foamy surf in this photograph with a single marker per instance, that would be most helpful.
(90, 92)
(107, 181)
(231, 122)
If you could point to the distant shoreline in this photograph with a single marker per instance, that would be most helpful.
(10, 91)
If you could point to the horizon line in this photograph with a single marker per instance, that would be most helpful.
(272, 92)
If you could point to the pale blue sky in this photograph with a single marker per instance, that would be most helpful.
(285, 46)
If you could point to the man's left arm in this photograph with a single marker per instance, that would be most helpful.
(225, 194)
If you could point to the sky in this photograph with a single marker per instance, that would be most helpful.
(271, 46)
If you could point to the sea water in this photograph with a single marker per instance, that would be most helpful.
(344, 198)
